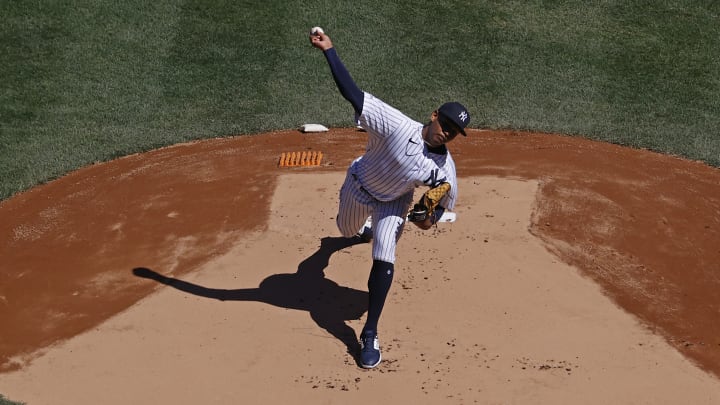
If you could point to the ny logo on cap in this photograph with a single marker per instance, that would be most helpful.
(463, 116)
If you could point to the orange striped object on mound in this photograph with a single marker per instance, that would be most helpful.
(292, 159)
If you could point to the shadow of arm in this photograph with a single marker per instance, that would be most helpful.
(244, 294)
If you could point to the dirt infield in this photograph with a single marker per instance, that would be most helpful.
(205, 272)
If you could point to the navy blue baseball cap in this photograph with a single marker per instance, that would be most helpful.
(456, 113)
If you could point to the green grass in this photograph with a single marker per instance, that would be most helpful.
(89, 81)
(5, 401)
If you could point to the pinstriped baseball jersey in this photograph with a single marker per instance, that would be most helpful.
(381, 182)
(397, 160)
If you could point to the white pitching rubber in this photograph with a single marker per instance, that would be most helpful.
(447, 217)
(313, 128)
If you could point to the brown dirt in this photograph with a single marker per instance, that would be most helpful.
(644, 227)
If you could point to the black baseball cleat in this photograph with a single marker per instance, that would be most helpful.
(370, 355)
(366, 234)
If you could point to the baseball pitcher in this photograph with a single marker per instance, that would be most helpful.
(401, 155)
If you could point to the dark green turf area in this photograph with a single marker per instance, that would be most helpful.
(89, 81)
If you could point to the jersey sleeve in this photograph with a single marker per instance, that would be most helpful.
(453, 194)
(380, 118)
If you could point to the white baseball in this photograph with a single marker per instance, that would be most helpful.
(316, 31)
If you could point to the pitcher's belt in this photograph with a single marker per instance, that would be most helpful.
(361, 187)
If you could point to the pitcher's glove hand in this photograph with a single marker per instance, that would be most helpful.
(428, 203)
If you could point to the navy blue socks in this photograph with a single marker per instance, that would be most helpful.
(381, 276)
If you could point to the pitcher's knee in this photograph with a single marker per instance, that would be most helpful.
(345, 230)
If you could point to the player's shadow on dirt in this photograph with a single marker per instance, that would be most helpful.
(328, 303)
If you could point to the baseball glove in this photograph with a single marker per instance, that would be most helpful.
(428, 203)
